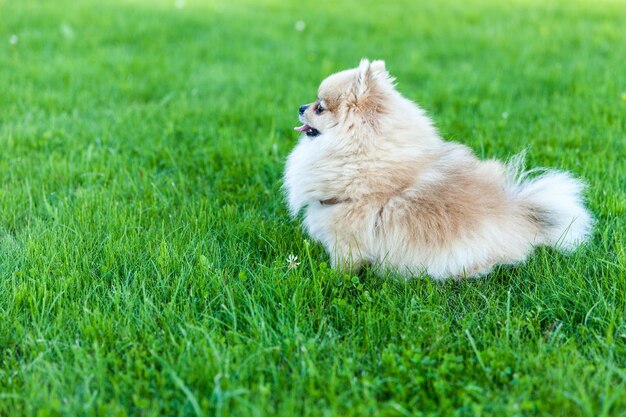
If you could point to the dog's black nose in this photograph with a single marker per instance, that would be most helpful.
(303, 108)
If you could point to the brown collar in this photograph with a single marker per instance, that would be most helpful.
(333, 201)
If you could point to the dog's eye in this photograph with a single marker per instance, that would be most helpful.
(319, 109)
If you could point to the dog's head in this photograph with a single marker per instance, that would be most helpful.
(351, 99)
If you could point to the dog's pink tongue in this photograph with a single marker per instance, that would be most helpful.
(302, 128)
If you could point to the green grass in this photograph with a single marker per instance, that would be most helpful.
(144, 237)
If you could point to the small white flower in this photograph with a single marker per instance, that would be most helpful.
(13, 40)
(292, 261)
(180, 4)
(505, 115)
(67, 31)
(300, 25)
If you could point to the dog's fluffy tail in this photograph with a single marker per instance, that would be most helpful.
(553, 202)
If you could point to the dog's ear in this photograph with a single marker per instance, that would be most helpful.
(378, 68)
(363, 79)
(369, 74)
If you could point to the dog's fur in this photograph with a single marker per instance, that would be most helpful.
(381, 187)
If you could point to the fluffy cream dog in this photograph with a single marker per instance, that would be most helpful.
(379, 186)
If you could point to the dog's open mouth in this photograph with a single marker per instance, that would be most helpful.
(311, 132)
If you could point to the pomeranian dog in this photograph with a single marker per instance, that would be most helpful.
(379, 186)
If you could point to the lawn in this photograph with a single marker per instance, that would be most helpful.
(144, 237)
